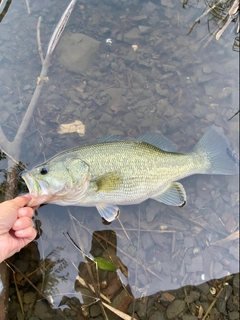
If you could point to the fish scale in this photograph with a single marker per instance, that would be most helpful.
(142, 171)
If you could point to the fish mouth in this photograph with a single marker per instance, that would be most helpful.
(37, 190)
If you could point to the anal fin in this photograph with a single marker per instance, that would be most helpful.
(174, 195)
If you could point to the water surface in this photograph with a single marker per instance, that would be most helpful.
(149, 75)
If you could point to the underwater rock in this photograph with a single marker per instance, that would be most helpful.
(77, 51)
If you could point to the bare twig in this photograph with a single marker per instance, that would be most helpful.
(10, 157)
(60, 27)
(39, 40)
(14, 147)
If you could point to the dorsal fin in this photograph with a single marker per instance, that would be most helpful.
(158, 140)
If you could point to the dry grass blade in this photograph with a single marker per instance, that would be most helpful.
(18, 293)
(88, 285)
(234, 115)
(70, 239)
(28, 7)
(138, 245)
(225, 20)
(203, 15)
(225, 241)
(212, 304)
(148, 230)
(220, 32)
(124, 230)
(121, 314)
(119, 249)
(26, 278)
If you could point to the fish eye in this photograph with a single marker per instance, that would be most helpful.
(43, 171)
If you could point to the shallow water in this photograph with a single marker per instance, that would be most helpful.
(170, 83)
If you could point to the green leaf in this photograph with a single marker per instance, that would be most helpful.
(104, 264)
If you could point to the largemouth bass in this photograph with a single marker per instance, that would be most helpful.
(113, 172)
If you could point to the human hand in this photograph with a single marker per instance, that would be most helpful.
(16, 226)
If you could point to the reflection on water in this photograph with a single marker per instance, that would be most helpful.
(170, 83)
(77, 287)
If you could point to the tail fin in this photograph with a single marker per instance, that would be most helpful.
(216, 149)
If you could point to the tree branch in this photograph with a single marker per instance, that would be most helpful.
(14, 149)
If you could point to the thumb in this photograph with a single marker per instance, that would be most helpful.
(21, 201)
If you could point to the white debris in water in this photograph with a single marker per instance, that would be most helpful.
(76, 126)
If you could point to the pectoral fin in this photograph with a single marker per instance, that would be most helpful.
(108, 212)
(174, 195)
(108, 182)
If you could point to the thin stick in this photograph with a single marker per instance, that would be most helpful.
(212, 304)
(4, 145)
(10, 157)
(124, 230)
(234, 115)
(60, 27)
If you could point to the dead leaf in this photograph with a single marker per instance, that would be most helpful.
(76, 126)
